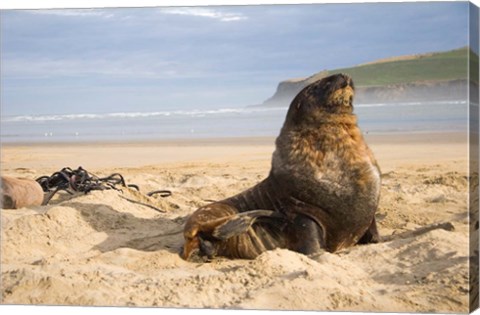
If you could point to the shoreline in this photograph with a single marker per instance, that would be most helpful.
(406, 136)
(255, 140)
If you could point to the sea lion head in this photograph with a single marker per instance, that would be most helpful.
(321, 99)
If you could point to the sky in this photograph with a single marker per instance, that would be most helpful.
(73, 61)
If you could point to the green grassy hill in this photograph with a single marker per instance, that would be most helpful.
(443, 66)
(442, 75)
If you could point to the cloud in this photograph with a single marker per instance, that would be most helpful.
(134, 66)
(108, 67)
(74, 12)
(204, 12)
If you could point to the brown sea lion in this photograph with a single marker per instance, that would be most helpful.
(20, 192)
(322, 191)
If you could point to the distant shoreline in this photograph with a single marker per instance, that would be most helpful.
(382, 137)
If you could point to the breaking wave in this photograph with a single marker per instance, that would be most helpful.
(194, 112)
(127, 115)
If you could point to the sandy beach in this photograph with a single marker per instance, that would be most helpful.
(100, 249)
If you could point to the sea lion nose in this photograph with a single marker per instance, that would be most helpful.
(346, 80)
(349, 80)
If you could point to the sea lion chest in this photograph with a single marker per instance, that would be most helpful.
(331, 169)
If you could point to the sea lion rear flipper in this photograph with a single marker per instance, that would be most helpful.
(241, 222)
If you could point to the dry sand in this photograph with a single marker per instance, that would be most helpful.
(100, 249)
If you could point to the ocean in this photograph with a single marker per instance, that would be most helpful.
(221, 123)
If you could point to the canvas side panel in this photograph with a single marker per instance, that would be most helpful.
(473, 158)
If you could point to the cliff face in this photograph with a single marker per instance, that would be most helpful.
(395, 93)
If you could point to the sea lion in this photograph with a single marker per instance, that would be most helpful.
(20, 192)
(322, 191)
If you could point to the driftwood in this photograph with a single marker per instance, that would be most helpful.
(20, 192)
(447, 226)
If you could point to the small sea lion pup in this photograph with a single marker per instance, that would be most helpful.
(322, 191)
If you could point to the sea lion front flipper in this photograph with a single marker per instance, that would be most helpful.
(306, 236)
(241, 222)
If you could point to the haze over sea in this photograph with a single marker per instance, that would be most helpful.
(198, 123)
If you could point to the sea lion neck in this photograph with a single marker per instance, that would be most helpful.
(320, 120)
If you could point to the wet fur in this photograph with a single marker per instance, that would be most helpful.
(324, 184)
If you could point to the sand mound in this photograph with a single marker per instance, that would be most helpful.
(101, 249)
